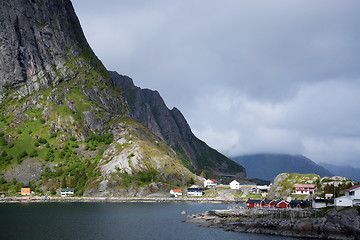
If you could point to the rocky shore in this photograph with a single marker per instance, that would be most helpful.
(112, 199)
(330, 224)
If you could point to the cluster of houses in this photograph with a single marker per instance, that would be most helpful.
(64, 192)
(293, 204)
(197, 191)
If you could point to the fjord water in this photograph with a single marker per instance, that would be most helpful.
(109, 221)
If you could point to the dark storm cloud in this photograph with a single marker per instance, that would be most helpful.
(249, 76)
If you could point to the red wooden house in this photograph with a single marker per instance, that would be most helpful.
(282, 204)
(251, 203)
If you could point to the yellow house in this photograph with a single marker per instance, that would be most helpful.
(26, 190)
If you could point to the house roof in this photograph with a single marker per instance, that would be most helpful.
(254, 201)
(281, 200)
(191, 189)
(177, 190)
(268, 201)
(352, 188)
(26, 187)
(213, 180)
(305, 185)
(319, 200)
(67, 189)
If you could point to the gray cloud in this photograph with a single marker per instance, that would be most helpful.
(249, 76)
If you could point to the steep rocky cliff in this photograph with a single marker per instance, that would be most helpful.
(40, 42)
(63, 122)
(148, 107)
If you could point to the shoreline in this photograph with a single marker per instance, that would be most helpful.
(306, 223)
(116, 199)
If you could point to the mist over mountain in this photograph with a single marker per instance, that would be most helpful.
(268, 166)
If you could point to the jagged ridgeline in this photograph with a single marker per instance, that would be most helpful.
(148, 107)
(64, 122)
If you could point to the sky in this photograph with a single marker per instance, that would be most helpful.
(250, 76)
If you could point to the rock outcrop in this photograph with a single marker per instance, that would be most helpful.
(148, 107)
(333, 224)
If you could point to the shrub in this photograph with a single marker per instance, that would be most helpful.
(42, 140)
(3, 141)
(53, 191)
(22, 154)
(62, 155)
(34, 153)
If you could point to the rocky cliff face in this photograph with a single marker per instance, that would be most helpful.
(148, 107)
(38, 41)
(61, 116)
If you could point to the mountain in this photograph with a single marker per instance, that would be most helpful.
(63, 120)
(268, 166)
(148, 107)
(346, 171)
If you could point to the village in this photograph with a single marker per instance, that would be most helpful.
(303, 195)
(250, 195)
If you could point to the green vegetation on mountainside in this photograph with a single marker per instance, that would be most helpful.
(49, 125)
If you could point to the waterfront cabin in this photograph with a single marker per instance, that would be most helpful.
(27, 190)
(235, 185)
(251, 203)
(304, 188)
(210, 183)
(195, 191)
(295, 204)
(343, 201)
(67, 192)
(354, 194)
(269, 203)
(175, 192)
(282, 204)
(299, 204)
(318, 203)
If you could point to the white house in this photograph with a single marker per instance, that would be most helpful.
(195, 191)
(235, 185)
(304, 188)
(343, 202)
(210, 183)
(175, 192)
(318, 203)
(354, 194)
(67, 191)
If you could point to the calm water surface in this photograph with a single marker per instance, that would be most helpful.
(47, 221)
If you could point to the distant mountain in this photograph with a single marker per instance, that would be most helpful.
(268, 166)
(344, 171)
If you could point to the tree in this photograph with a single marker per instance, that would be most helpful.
(53, 191)
(63, 182)
(203, 175)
